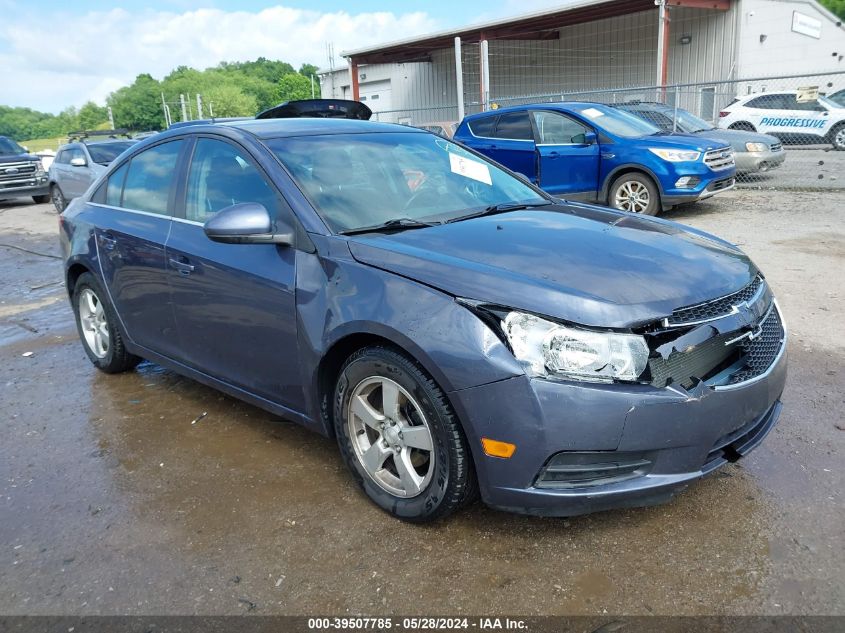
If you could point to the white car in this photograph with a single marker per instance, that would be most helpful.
(792, 121)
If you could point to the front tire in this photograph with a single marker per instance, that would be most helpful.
(96, 322)
(400, 438)
(745, 126)
(58, 198)
(635, 193)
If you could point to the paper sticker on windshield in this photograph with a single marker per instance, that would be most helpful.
(470, 169)
(592, 113)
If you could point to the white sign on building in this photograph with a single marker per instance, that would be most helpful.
(806, 25)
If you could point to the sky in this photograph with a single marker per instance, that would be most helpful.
(55, 53)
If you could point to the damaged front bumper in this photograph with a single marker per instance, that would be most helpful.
(584, 447)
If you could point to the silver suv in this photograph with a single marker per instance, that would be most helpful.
(78, 164)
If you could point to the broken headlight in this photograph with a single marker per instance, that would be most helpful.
(552, 350)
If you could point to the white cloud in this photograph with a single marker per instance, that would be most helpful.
(90, 55)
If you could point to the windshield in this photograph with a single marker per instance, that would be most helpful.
(689, 123)
(363, 180)
(615, 121)
(104, 153)
(8, 146)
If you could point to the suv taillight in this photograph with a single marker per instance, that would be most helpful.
(723, 113)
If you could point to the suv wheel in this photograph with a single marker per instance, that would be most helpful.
(742, 125)
(400, 438)
(58, 198)
(96, 323)
(635, 193)
(837, 138)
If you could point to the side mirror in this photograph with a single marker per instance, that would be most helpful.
(78, 162)
(247, 223)
(590, 138)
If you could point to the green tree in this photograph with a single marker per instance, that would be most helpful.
(835, 6)
(229, 100)
(138, 106)
(92, 116)
(293, 86)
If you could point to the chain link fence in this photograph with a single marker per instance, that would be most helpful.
(801, 118)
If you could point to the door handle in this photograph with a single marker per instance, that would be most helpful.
(181, 264)
(107, 241)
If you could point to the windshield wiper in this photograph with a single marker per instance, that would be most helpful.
(396, 224)
(504, 207)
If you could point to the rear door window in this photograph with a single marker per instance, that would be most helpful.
(150, 178)
(514, 126)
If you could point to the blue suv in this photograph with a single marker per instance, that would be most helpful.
(594, 152)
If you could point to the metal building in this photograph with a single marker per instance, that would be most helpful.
(592, 45)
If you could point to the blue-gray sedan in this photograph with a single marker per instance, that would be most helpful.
(458, 331)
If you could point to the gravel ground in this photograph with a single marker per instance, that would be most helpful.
(112, 501)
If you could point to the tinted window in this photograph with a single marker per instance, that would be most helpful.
(791, 103)
(660, 120)
(60, 157)
(515, 125)
(114, 188)
(104, 153)
(557, 129)
(76, 153)
(221, 175)
(767, 102)
(8, 146)
(483, 126)
(150, 178)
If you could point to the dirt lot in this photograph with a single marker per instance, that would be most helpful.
(111, 501)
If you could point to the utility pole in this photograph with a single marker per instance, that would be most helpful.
(211, 109)
(184, 107)
(199, 106)
(111, 118)
(167, 119)
(459, 74)
(312, 85)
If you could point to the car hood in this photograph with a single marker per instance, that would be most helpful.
(576, 262)
(737, 138)
(17, 158)
(679, 140)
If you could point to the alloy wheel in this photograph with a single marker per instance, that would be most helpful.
(390, 436)
(95, 327)
(632, 196)
(839, 139)
(58, 199)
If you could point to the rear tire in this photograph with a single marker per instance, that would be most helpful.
(635, 193)
(742, 125)
(41, 199)
(96, 322)
(400, 438)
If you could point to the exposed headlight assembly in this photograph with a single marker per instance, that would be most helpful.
(550, 349)
(675, 155)
(756, 147)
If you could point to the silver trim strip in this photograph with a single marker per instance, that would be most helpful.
(147, 213)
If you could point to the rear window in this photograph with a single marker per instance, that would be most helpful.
(104, 153)
(483, 126)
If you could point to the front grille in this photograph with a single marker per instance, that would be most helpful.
(718, 185)
(16, 171)
(760, 353)
(723, 361)
(716, 308)
(776, 147)
(719, 159)
(684, 368)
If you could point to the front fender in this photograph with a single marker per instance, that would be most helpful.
(338, 297)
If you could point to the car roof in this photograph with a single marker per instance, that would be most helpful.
(275, 128)
(557, 105)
